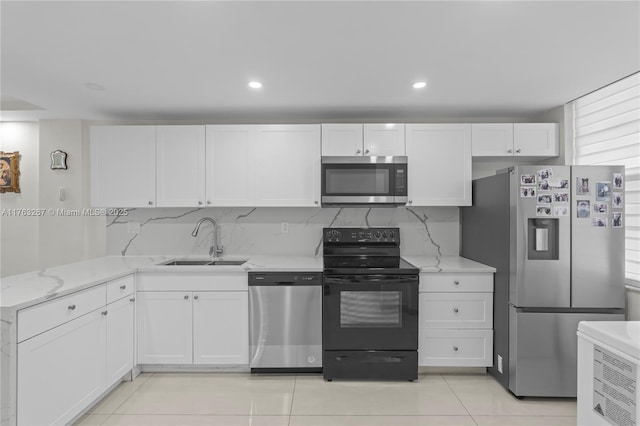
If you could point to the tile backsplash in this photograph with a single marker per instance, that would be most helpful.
(426, 231)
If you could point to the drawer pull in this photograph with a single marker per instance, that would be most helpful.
(455, 310)
(456, 282)
(122, 287)
(104, 313)
(133, 299)
(196, 297)
(186, 297)
(72, 307)
(455, 348)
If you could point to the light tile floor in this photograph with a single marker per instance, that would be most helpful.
(231, 399)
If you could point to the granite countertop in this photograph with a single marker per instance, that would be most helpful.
(23, 290)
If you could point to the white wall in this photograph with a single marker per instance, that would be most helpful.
(30, 243)
(19, 234)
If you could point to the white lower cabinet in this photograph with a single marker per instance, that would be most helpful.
(207, 323)
(119, 355)
(72, 349)
(164, 327)
(221, 327)
(456, 320)
(61, 371)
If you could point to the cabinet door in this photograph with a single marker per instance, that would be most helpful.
(230, 163)
(119, 339)
(439, 164)
(384, 139)
(62, 371)
(342, 139)
(221, 327)
(123, 166)
(180, 171)
(287, 169)
(164, 327)
(535, 139)
(492, 139)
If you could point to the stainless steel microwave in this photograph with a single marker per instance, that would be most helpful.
(364, 181)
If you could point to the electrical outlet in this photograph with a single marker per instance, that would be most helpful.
(133, 228)
(499, 364)
(285, 228)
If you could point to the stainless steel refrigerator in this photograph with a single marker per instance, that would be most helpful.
(555, 235)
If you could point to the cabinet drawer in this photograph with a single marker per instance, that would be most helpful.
(119, 288)
(455, 348)
(167, 281)
(45, 316)
(456, 310)
(450, 282)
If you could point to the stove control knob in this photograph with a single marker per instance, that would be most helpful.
(328, 235)
(378, 235)
(391, 235)
(384, 235)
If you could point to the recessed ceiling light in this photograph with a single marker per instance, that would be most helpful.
(255, 84)
(419, 85)
(94, 86)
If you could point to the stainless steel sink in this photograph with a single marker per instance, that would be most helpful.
(221, 262)
(228, 262)
(189, 262)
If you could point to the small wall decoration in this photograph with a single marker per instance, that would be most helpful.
(58, 160)
(9, 171)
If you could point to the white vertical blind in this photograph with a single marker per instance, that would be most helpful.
(607, 132)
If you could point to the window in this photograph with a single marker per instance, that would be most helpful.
(606, 131)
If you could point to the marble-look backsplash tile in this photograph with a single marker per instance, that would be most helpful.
(427, 231)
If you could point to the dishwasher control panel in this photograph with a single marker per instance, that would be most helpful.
(285, 278)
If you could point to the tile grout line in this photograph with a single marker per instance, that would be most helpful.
(458, 398)
(127, 398)
(293, 395)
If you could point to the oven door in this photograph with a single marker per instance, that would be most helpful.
(364, 180)
(370, 312)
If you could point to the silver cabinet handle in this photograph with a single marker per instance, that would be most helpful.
(72, 307)
(455, 310)
(196, 297)
(366, 151)
(104, 313)
(509, 151)
(410, 201)
(199, 203)
(150, 203)
(455, 348)
(133, 299)
(456, 282)
(122, 287)
(186, 297)
(315, 202)
(518, 150)
(358, 151)
(208, 201)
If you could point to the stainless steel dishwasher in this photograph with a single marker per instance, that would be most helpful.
(285, 321)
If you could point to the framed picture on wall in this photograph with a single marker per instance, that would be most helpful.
(9, 171)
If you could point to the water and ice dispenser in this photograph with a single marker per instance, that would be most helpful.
(542, 239)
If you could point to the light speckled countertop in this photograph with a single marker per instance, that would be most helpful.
(23, 290)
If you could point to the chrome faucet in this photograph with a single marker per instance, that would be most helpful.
(214, 249)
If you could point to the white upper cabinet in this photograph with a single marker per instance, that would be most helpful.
(517, 140)
(536, 139)
(439, 166)
(384, 139)
(342, 139)
(349, 139)
(180, 171)
(287, 165)
(123, 166)
(230, 160)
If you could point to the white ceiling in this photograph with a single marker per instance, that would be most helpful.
(318, 60)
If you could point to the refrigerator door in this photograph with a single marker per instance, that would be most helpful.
(540, 237)
(543, 351)
(597, 263)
